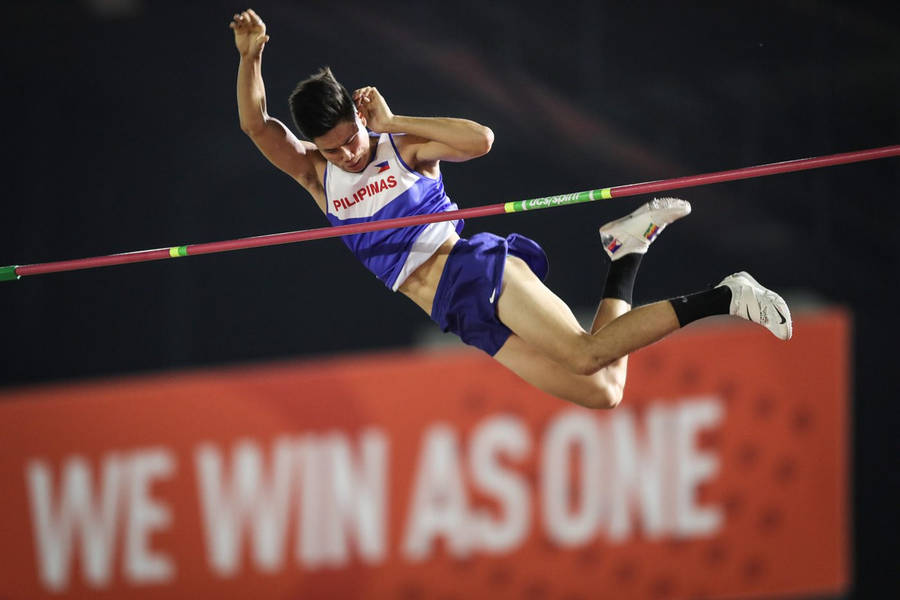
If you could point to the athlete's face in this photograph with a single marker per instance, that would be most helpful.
(346, 145)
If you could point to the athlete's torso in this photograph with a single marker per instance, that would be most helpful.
(387, 188)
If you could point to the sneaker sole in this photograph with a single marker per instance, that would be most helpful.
(681, 208)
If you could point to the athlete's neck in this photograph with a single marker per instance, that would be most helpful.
(373, 149)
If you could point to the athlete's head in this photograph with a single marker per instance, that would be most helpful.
(324, 112)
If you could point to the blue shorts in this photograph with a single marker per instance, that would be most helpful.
(465, 300)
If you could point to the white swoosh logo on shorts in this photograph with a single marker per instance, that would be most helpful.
(493, 293)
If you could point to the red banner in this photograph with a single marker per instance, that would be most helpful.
(722, 474)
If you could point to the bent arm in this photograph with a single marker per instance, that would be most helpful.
(433, 138)
(293, 156)
(445, 138)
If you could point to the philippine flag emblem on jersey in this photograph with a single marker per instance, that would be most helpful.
(382, 167)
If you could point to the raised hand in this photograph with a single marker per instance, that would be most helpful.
(249, 33)
(372, 105)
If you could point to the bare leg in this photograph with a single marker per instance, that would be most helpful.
(551, 350)
(600, 390)
(543, 321)
(609, 310)
(548, 346)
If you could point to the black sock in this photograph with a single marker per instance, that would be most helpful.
(620, 279)
(716, 301)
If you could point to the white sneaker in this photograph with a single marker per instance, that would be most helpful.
(751, 301)
(635, 232)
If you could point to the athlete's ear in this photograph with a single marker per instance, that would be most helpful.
(361, 118)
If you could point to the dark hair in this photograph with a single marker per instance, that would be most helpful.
(319, 102)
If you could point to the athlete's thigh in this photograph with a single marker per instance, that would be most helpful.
(536, 368)
(537, 315)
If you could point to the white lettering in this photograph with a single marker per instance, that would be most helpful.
(145, 515)
(56, 521)
(248, 497)
(440, 504)
(693, 467)
(491, 439)
(639, 472)
(572, 430)
(350, 499)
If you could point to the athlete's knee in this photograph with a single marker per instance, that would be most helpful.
(614, 394)
(605, 387)
(601, 395)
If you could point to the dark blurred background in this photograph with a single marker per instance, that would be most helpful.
(121, 134)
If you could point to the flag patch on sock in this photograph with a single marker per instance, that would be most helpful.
(614, 246)
(651, 232)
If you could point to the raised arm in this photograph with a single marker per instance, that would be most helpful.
(433, 138)
(295, 157)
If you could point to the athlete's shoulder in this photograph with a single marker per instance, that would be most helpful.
(313, 182)
(407, 146)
